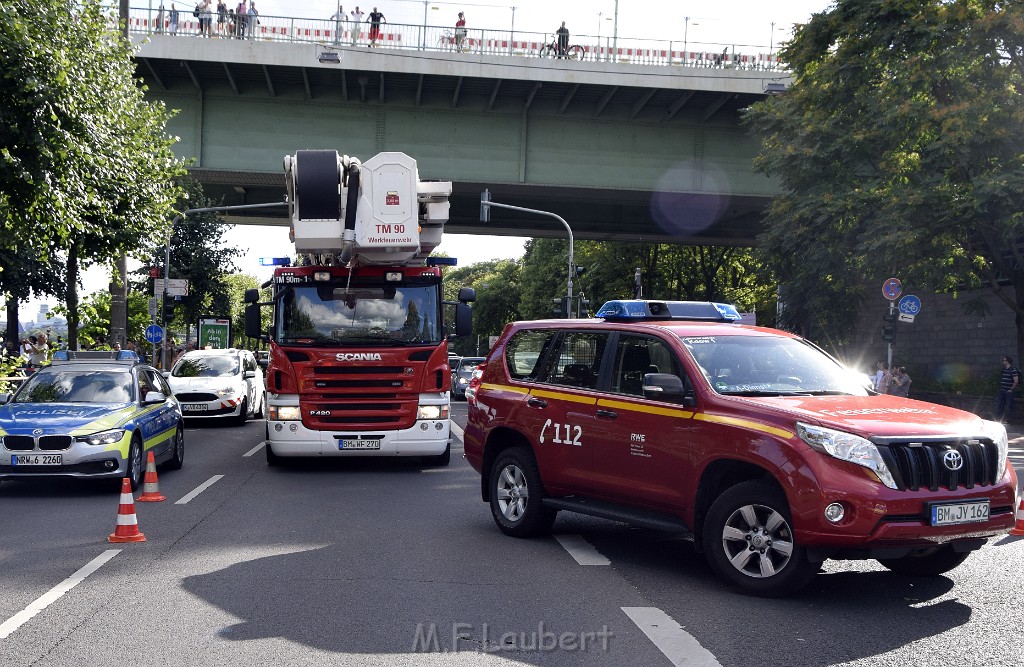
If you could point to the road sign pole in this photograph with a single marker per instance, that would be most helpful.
(892, 311)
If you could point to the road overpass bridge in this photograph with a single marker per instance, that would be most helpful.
(623, 151)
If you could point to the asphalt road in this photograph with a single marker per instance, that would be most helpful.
(389, 562)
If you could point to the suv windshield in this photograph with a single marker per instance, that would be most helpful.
(770, 365)
(206, 366)
(76, 386)
(330, 314)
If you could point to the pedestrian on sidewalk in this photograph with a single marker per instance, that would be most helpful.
(1009, 380)
(901, 382)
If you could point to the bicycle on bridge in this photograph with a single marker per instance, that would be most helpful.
(552, 50)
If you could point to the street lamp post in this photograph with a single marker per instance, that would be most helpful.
(686, 33)
(615, 39)
(771, 39)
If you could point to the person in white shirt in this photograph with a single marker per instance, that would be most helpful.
(357, 20)
(339, 18)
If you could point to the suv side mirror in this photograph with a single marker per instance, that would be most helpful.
(668, 387)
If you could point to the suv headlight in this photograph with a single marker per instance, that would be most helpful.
(432, 412)
(997, 432)
(847, 447)
(102, 438)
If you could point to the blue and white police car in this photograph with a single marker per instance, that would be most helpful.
(90, 414)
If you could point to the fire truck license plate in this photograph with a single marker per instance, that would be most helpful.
(359, 444)
(954, 513)
(36, 460)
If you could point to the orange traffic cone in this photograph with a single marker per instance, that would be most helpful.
(1019, 528)
(127, 529)
(150, 487)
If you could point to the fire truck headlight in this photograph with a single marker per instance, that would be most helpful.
(283, 413)
(432, 412)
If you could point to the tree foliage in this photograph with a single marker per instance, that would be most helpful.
(86, 165)
(898, 148)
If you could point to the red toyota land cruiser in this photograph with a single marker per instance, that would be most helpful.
(769, 452)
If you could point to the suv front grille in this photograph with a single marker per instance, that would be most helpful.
(919, 465)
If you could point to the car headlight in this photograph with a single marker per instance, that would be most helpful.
(463, 381)
(997, 432)
(226, 391)
(102, 438)
(847, 447)
(432, 412)
(283, 413)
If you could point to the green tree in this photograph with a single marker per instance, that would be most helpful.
(497, 298)
(85, 161)
(94, 313)
(236, 284)
(898, 148)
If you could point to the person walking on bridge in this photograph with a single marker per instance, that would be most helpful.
(376, 18)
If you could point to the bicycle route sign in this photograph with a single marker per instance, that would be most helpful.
(154, 333)
(909, 307)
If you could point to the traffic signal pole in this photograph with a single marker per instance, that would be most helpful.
(485, 206)
(892, 314)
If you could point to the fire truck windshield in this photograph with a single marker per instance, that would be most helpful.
(358, 315)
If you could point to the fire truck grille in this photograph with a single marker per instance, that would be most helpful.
(357, 384)
(930, 465)
(358, 370)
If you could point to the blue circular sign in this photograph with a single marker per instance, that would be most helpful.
(892, 288)
(910, 305)
(154, 333)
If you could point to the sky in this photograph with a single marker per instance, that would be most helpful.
(741, 22)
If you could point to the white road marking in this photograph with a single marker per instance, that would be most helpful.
(583, 551)
(254, 449)
(43, 601)
(678, 645)
(457, 430)
(202, 487)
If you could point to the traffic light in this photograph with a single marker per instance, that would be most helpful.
(578, 270)
(561, 309)
(168, 310)
(889, 327)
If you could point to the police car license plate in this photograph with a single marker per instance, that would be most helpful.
(36, 460)
(193, 407)
(359, 444)
(953, 513)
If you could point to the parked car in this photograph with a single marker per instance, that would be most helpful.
(462, 373)
(769, 453)
(223, 384)
(90, 414)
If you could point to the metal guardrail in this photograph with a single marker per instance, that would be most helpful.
(411, 37)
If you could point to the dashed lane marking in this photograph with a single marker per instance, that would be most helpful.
(202, 487)
(457, 430)
(52, 595)
(583, 551)
(678, 645)
(254, 449)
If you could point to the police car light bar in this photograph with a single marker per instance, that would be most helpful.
(275, 261)
(442, 261)
(637, 309)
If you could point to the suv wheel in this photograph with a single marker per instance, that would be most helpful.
(749, 541)
(134, 470)
(516, 494)
(930, 563)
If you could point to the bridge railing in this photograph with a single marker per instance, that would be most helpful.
(330, 33)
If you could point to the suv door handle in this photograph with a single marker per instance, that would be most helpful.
(537, 403)
(607, 413)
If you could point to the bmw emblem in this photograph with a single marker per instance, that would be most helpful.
(952, 459)
(37, 431)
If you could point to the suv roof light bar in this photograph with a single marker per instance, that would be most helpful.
(634, 310)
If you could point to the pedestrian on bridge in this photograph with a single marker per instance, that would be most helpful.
(357, 25)
(340, 18)
(173, 17)
(376, 18)
(563, 40)
(460, 32)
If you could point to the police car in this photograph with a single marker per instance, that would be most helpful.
(90, 414)
(770, 454)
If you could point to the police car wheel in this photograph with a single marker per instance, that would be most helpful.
(749, 541)
(929, 563)
(517, 494)
(178, 455)
(134, 471)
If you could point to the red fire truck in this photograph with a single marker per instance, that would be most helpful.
(358, 340)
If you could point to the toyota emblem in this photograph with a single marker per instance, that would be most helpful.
(952, 459)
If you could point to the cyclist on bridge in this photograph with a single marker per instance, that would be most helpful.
(563, 40)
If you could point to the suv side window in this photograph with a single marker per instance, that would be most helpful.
(636, 356)
(578, 359)
(525, 351)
